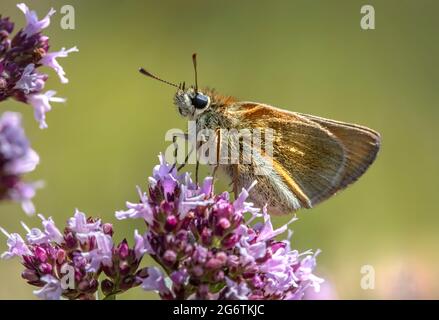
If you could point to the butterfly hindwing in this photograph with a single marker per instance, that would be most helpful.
(361, 146)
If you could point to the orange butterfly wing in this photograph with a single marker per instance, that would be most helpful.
(312, 157)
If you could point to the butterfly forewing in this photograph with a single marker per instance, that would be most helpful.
(312, 157)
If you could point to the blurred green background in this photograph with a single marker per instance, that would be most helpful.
(307, 56)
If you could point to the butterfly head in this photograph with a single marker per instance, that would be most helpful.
(191, 103)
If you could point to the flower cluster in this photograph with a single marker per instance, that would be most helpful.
(68, 264)
(207, 249)
(16, 159)
(206, 245)
(21, 56)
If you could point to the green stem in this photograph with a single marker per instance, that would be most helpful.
(111, 296)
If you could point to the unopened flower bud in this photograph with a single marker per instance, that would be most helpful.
(127, 283)
(230, 241)
(124, 267)
(71, 241)
(46, 268)
(169, 257)
(206, 236)
(198, 271)
(203, 291)
(221, 256)
(224, 209)
(257, 282)
(60, 256)
(109, 271)
(233, 261)
(179, 276)
(219, 276)
(28, 261)
(142, 273)
(107, 286)
(171, 223)
(30, 275)
(83, 285)
(108, 229)
(93, 285)
(213, 264)
(41, 254)
(123, 249)
(224, 223)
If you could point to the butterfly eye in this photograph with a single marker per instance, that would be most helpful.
(200, 101)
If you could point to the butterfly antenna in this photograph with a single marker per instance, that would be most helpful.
(194, 60)
(149, 74)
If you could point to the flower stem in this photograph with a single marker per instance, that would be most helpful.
(111, 296)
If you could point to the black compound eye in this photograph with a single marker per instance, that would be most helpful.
(200, 101)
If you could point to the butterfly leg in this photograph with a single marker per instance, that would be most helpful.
(235, 179)
(186, 159)
(218, 153)
(196, 171)
(197, 165)
(199, 144)
(174, 141)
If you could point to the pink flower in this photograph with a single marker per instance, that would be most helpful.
(30, 80)
(16, 246)
(33, 24)
(52, 289)
(137, 210)
(50, 60)
(102, 254)
(86, 248)
(141, 245)
(41, 104)
(16, 159)
(50, 229)
(155, 281)
(83, 228)
(35, 235)
(21, 56)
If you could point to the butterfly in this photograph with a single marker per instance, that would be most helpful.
(312, 158)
